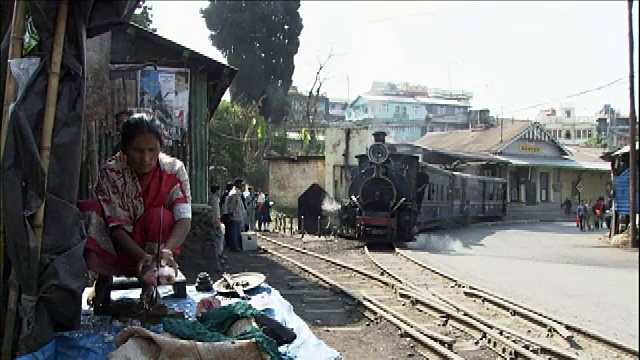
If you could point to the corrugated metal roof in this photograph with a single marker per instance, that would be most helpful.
(555, 163)
(588, 154)
(473, 141)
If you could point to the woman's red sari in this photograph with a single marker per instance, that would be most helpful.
(136, 204)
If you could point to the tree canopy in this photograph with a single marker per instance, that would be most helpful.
(260, 39)
(238, 139)
(143, 16)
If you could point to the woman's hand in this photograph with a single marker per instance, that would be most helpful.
(166, 259)
(147, 272)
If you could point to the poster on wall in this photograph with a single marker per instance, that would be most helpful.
(166, 92)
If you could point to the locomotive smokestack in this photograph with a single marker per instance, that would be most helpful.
(379, 136)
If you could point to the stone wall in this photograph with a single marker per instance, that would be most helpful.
(289, 177)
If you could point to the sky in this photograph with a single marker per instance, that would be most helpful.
(517, 58)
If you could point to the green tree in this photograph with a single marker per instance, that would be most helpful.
(143, 16)
(238, 139)
(261, 39)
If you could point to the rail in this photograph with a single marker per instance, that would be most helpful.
(564, 328)
(498, 343)
(502, 339)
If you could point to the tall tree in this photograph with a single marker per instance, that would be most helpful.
(260, 38)
(143, 16)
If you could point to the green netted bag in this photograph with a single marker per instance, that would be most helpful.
(31, 37)
(212, 325)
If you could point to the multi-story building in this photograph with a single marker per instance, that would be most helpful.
(563, 124)
(300, 113)
(337, 110)
(409, 111)
(613, 127)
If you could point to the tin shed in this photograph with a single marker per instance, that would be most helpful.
(118, 58)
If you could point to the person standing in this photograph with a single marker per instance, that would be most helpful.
(251, 209)
(217, 235)
(265, 215)
(236, 211)
(581, 212)
(567, 206)
(225, 213)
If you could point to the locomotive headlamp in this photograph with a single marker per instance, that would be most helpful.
(378, 153)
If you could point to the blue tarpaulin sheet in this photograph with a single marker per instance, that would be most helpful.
(94, 341)
(623, 193)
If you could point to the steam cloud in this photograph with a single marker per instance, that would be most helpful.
(436, 243)
(329, 205)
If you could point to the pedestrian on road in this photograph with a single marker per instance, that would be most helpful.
(581, 211)
(589, 217)
(567, 206)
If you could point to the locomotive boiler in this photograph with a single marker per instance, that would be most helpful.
(380, 204)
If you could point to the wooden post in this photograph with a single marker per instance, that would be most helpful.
(633, 159)
(11, 89)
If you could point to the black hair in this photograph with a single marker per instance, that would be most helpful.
(140, 124)
(229, 186)
(238, 182)
(214, 188)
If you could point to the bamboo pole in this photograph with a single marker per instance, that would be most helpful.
(48, 122)
(11, 89)
(50, 109)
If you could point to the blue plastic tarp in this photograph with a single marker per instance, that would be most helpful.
(623, 193)
(95, 339)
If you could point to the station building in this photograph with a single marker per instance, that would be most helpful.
(541, 172)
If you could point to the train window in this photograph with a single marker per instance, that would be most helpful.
(457, 195)
(442, 192)
(429, 192)
(448, 191)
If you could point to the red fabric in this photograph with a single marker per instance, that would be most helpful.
(135, 204)
(146, 229)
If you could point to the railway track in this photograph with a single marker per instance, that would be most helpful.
(448, 318)
(483, 310)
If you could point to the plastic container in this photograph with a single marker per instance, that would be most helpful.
(249, 241)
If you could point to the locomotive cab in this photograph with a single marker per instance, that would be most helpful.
(380, 205)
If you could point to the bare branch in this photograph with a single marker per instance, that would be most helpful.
(312, 103)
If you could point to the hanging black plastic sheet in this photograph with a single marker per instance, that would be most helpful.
(51, 284)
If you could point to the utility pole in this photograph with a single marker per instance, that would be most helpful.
(633, 158)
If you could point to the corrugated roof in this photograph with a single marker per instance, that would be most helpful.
(588, 154)
(474, 141)
(555, 163)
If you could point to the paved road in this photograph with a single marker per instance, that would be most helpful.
(548, 266)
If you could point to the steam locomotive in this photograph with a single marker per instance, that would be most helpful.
(393, 196)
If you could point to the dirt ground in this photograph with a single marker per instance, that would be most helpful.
(332, 317)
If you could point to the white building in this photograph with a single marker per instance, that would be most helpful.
(565, 126)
